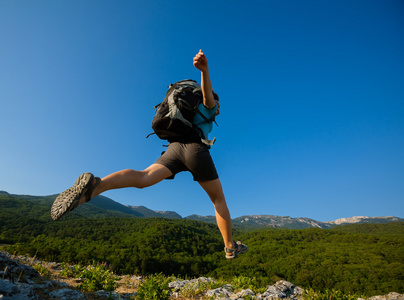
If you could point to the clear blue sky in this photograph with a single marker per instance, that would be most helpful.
(312, 100)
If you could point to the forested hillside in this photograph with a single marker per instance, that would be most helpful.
(366, 258)
(104, 207)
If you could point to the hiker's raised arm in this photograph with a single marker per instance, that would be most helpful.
(201, 63)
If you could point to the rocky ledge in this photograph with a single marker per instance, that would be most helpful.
(280, 290)
(19, 281)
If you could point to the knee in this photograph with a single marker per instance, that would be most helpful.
(143, 185)
(137, 179)
(215, 194)
(143, 180)
(218, 199)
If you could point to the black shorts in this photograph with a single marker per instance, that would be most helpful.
(192, 157)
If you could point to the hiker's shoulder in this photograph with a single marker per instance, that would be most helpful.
(203, 108)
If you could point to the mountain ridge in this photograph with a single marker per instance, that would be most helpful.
(102, 206)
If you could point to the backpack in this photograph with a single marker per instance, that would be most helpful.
(174, 116)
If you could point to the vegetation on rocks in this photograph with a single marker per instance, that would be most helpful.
(96, 276)
(154, 287)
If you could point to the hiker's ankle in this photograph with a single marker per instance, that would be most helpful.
(82, 200)
(231, 245)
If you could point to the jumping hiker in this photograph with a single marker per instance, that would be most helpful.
(183, 154)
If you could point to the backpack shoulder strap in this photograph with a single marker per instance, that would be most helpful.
(205, 119)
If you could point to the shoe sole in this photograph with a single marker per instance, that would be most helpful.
(69, 199)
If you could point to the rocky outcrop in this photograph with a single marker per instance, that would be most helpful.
(280, 290)
(19, 281)
(391, 296)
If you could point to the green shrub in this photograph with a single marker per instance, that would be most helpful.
(243, 283)
(192, 290)
(97, 277)
(71, 271)
(329, 295)
(43, 271)
(154, 287)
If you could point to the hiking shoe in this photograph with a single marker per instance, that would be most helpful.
(69, 199)
(240, 248)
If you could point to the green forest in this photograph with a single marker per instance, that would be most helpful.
(367, 259)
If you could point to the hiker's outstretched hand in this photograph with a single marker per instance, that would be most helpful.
(201, 62)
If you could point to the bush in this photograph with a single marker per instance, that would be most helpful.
(154, 287)
(329, 295)
(71, 271)
(194, 289)
(96, 277)
(43, 271)
(243, 283)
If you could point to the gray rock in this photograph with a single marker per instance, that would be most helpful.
(273, 291)
(16, 271)
(108, 295)
(43, 285)
(391, 296)
(19, 291)
(114, 295)
(194, 284)
(280, 290)
(219, 293)
(59, 283)
(177, 285)
(66, 294)
(245, 293)
(289, 289)
(7, 288)
(27, 289)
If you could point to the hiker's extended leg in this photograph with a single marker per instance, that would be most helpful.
(87, 186)
(215, 192)
(131, 178)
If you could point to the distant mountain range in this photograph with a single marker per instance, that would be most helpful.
(258, 221)
(102, 206)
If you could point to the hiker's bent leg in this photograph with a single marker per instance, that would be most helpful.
(132, 178)
(215, 192)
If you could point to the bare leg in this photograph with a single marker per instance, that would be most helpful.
(215, 192)
(131, 178)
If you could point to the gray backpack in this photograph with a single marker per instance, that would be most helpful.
(174, 116)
